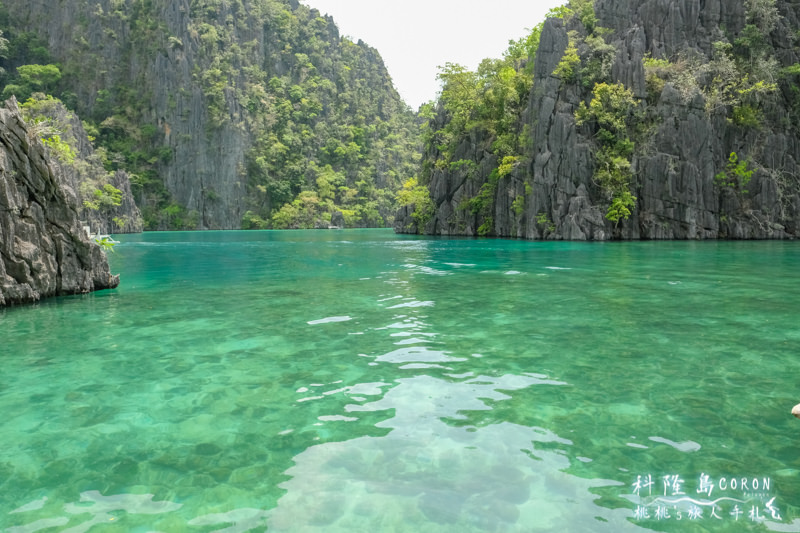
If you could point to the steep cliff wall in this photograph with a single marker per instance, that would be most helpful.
(224, 110)
(43, 248)
(694, 82)
(104, 199)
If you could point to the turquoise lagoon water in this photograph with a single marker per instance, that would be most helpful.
(357, 381)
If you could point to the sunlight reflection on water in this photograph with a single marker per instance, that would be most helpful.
(428, 475)
(392, 384)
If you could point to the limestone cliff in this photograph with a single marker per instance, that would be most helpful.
(105, 199)
(710, 144)
(43, 248)
(225, 111)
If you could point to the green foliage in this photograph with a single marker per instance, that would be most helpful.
(251, 220)
(559, 12)
(650, 62)
(738, 79)
(29, 48)
(3, 46)
(39, 76)
(736, 175)
(746, 116)
(63, 151)
(460, 92)
(104, 199)
(122, 223)
(587, 59)
(611, 112)
(507, 166)
(324, 127)
(466, 164)
(520, 53)
(736, 83)
(621, 206)
(487, 227)
(48, 119)
(518, 205)
(106, 243)
(302, 213)
(609, 108)
(657, 72)
(790, 83)
(763, 14)
(490, 99)
(413, 194)
(31, 79)
(791, 70)
(3, 51)
(750, 41)
(482, 203)
(598, 61)
(742, 81)
(584, 10)
(543, 221)
(567, 66)
(171, 216)
(175, 43)
(40, 112)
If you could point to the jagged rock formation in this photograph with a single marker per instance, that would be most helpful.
(85, 173)
(43, 248)
(225, 110)
(687, 124)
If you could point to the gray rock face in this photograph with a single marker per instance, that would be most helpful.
(87, 173)
(200, 101)
(673, 171)
(43, 248)
(203, 173)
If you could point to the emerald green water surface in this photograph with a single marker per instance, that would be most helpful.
(358, 381)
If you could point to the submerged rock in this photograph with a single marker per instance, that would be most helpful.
(44, 250)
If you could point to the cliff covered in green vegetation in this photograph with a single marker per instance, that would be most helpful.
(105, 201)
(633, 119)
(44, 250)
(227, 113)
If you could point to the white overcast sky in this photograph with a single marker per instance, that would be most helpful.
(414, 37)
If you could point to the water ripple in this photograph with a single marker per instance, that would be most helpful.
(330, 319)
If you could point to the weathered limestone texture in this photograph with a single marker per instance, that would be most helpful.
(44, 250)
(124, 218)
(674, 166)
(86, 174)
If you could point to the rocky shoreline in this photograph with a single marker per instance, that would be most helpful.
(44, 250)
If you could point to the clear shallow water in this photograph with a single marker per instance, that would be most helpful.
(362, 381)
